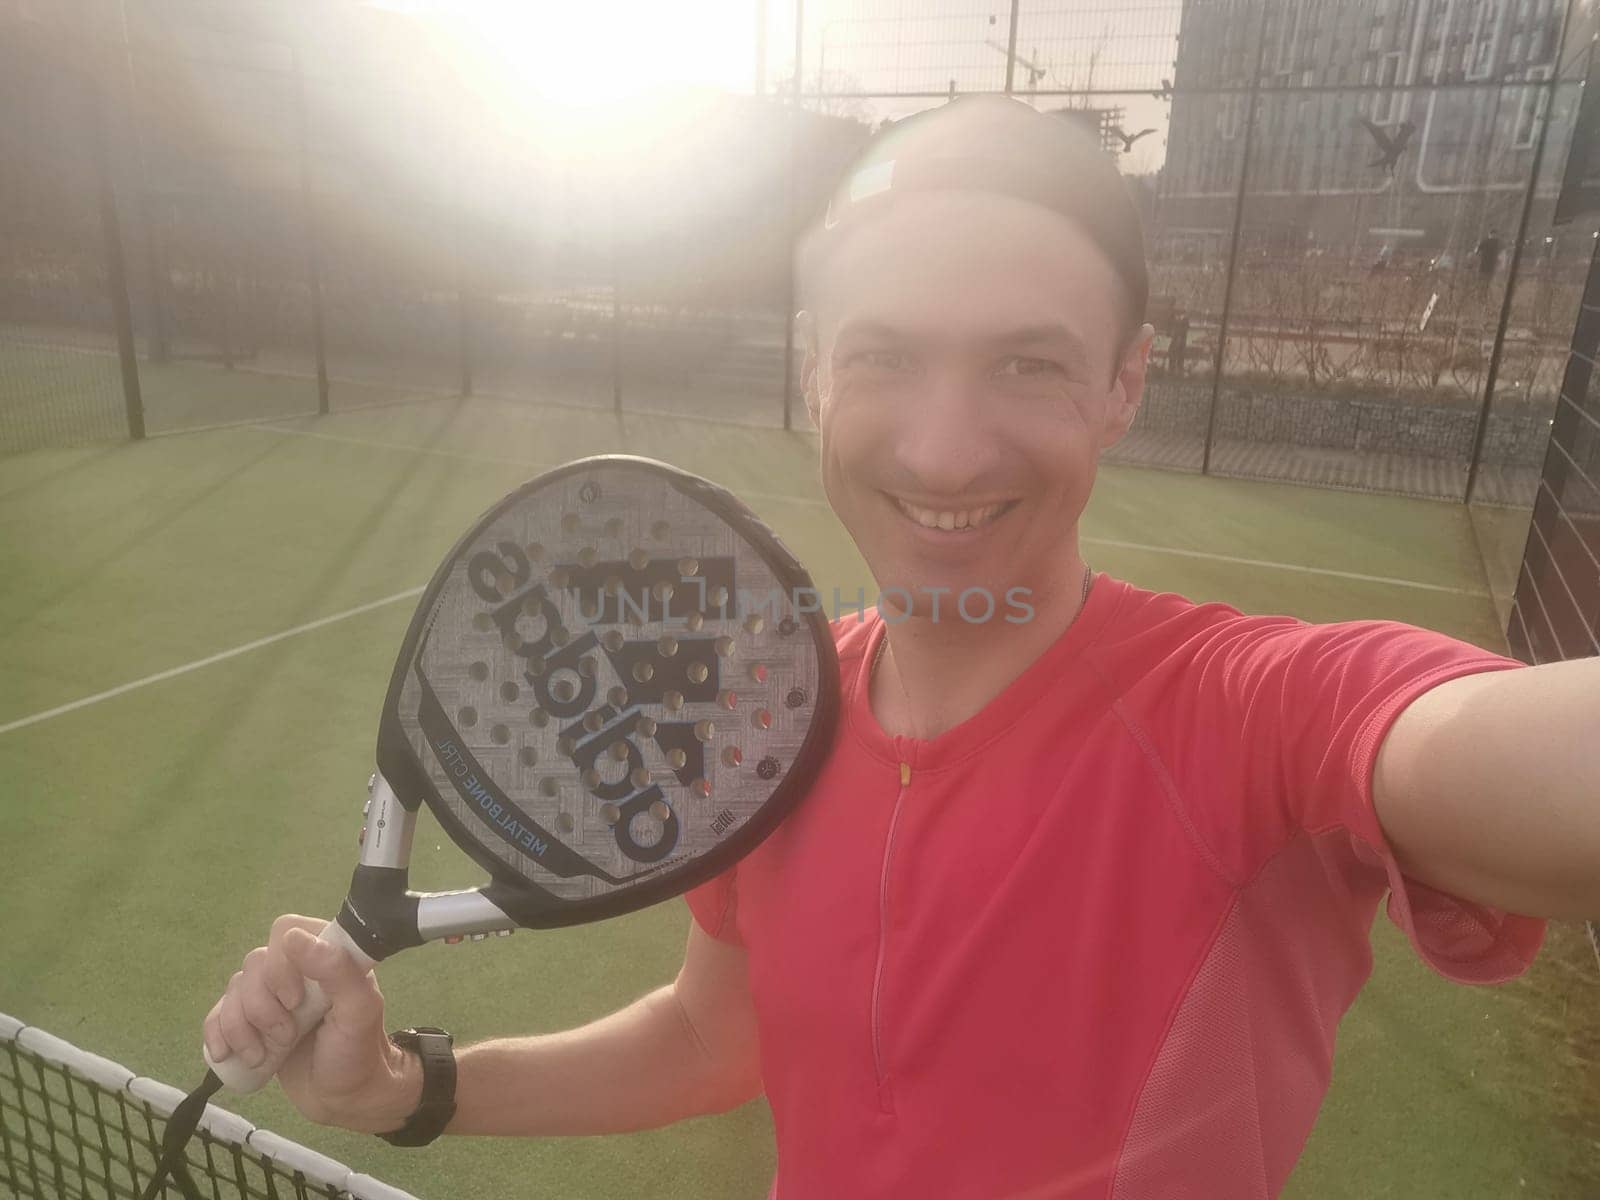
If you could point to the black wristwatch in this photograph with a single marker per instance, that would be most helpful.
(434, 1047)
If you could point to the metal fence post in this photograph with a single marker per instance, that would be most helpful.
(1011, 47)
(1233, 246)
(116, 271)
(1491, 375)
(313, 247)
(788, 228)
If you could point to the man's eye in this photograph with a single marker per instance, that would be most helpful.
(1019, 366)
(879, 360)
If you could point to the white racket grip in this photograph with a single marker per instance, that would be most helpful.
(314, 1004)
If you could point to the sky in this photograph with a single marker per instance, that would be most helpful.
(590, 55)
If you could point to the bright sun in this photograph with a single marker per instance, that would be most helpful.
(592, 53)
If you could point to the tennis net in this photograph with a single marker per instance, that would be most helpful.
(75, 1126)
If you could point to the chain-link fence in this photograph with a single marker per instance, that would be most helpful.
(1355, 277)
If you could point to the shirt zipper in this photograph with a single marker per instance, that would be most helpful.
(884, 1101)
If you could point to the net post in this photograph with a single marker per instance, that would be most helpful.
(1233, 246)
(116, 270)
(308, 215)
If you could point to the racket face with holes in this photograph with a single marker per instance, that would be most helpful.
(615, 686)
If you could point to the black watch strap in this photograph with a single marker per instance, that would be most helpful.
(434, 1047)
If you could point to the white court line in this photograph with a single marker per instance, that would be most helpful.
(776, 496)
(121, 689)
(1277, 566)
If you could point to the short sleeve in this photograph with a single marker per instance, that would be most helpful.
(714, 905)
(1312, 705)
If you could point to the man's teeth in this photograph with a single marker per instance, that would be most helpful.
(967, 518)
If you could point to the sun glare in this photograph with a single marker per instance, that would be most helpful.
(603, 72)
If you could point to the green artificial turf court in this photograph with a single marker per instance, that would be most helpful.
(150, 837)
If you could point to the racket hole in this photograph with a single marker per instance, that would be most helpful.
(718, 596)
(614, 527)
(610, 813)
(695, 621)
(500, 735)
(666, 645)
(468, 717)
(619, 750)
(673, 701)
(561, 578)
(590, 779)
(767, 768)
(704, 730)
(643, 672)
(535, 665)
(528, 756)
(563, 689)
(645, 830)
(569, 522)
(547, 786)
(677, 759)
(661, 812)
(701, 788)
(586, 667)
(647, 727)
(613, 584)
(479, 671)
(639, 777)
(559, 636)
(698, 672)
(758, 672)
(761, 719)
(565, 745)
(539, 718)
(786, 627)
(590, 610)
(611, 639)
(661, 531)
(728, 700)
(586, 556)
(795, 699)
(483, 622)
(724, 646)
(594, 722)
(589, 492)
(688, 567)
(535, 550)
(754, 623)
(565, 823)
(638, 559)
(618, 697)
(509, 692)
(732, 756)
(662, 591)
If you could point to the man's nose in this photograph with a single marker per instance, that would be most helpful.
(944, 440)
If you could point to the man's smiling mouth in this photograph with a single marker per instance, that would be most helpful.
(955, 519)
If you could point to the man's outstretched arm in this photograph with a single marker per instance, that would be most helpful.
(1488, 788)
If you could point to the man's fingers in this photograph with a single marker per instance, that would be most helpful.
(211, 1032)
(352, 993)
(282, 976)
(262, 1008)
(237, 1031)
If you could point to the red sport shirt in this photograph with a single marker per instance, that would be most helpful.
(1096, 940)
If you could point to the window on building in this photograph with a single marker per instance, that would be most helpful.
(1531, 109)
(1386, 102)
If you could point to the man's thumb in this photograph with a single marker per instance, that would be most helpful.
(322, 961)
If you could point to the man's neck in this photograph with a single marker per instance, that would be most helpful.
(933, 675)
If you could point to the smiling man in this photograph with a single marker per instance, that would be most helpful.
(1079, 899)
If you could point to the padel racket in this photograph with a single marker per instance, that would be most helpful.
(615, 685)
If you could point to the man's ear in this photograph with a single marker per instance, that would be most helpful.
(805, 328)
(1122, 403)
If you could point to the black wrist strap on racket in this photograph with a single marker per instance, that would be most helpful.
(181, 1125)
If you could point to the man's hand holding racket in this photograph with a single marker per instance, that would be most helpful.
(345, 1072)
